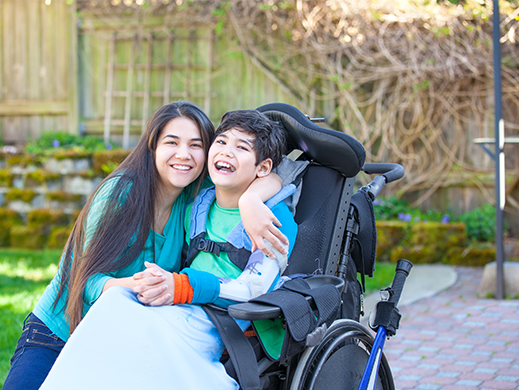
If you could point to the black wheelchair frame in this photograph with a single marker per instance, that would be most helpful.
(336, 241)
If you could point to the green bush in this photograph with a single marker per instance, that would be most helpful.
(6, 177)
(105, 162)
(50, 143)
(28, 237)
(481, 223)
(19, 194)
(393, 208)
(42, 175)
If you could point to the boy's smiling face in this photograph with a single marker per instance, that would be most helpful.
(232, 165)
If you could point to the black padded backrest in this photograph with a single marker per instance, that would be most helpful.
(327, 185)
(330, 148)
(316, 217)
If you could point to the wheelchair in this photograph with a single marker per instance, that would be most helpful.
(336, 241)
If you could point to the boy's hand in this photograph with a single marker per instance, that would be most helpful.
(155, 286)
(260, 223)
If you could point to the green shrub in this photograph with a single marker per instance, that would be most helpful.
(393, 208)
(432, 242)
(106, 161)
(19, 194)
(6, 177)
(45, 218)
(58, 237)
(28, 238)
(62, 196)
(389, 235)
(42, 175)
(8, 219)
(481, 223)
(51, 143)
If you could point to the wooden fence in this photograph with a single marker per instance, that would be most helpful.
(106, 75)
(38, 67)
(126, 72)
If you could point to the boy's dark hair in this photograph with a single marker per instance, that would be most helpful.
(269, 136)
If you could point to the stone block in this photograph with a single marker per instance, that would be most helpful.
(20, 206)
(66, 165)
(18, 181)
(78, 185)
(488, 282)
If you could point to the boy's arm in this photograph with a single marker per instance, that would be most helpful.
(259, 221)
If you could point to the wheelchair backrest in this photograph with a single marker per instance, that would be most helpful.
(321, 213)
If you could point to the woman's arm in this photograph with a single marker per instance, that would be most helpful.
(258, 220)
(141, 282)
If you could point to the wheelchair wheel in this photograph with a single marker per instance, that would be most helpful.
(339, 361)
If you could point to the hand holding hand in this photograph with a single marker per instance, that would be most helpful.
(155, 286)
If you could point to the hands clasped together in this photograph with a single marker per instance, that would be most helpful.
(154, 286)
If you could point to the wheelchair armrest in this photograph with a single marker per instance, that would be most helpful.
(252, 311)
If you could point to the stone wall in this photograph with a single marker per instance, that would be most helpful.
(41, 197)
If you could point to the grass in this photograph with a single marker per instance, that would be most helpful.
(382, 277)
(24, 274)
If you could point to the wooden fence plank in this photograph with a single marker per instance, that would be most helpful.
(2, 37)
(34, 52)
(31, 107)
(146, 100)
(109, 87)
(8, 48)
(72, 92)
(190, 50)
(167, 75)
(49, 50)
(129, 95)
(209, 74)
(20, 50)
(61, 42)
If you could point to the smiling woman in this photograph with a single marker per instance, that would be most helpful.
(134, 217)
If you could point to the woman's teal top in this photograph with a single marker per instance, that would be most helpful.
(168, 248)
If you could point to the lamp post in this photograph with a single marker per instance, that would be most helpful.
(499, 131)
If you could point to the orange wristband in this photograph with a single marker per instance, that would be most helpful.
(183, 289)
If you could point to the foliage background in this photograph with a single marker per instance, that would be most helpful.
(411, 79)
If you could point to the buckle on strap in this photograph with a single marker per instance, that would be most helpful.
(208, 246)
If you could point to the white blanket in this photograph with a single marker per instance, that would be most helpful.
(122, 344)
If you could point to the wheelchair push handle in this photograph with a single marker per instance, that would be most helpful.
(389, 171)
(403, 267)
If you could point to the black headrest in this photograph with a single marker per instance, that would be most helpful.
(330, 148)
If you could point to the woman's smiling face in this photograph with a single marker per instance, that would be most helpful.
(180, 155)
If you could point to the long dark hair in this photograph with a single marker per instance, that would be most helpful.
(128, 214)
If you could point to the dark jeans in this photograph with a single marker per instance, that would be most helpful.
(35, 353)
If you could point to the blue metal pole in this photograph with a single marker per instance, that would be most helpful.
(499, 155)
(369, 378)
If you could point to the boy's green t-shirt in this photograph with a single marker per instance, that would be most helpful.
(220, 222)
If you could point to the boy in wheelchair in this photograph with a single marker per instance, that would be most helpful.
(179, 346)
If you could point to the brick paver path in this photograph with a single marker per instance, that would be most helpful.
(457, 341)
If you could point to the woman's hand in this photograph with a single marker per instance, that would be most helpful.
(155, 286)
(260, 223)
